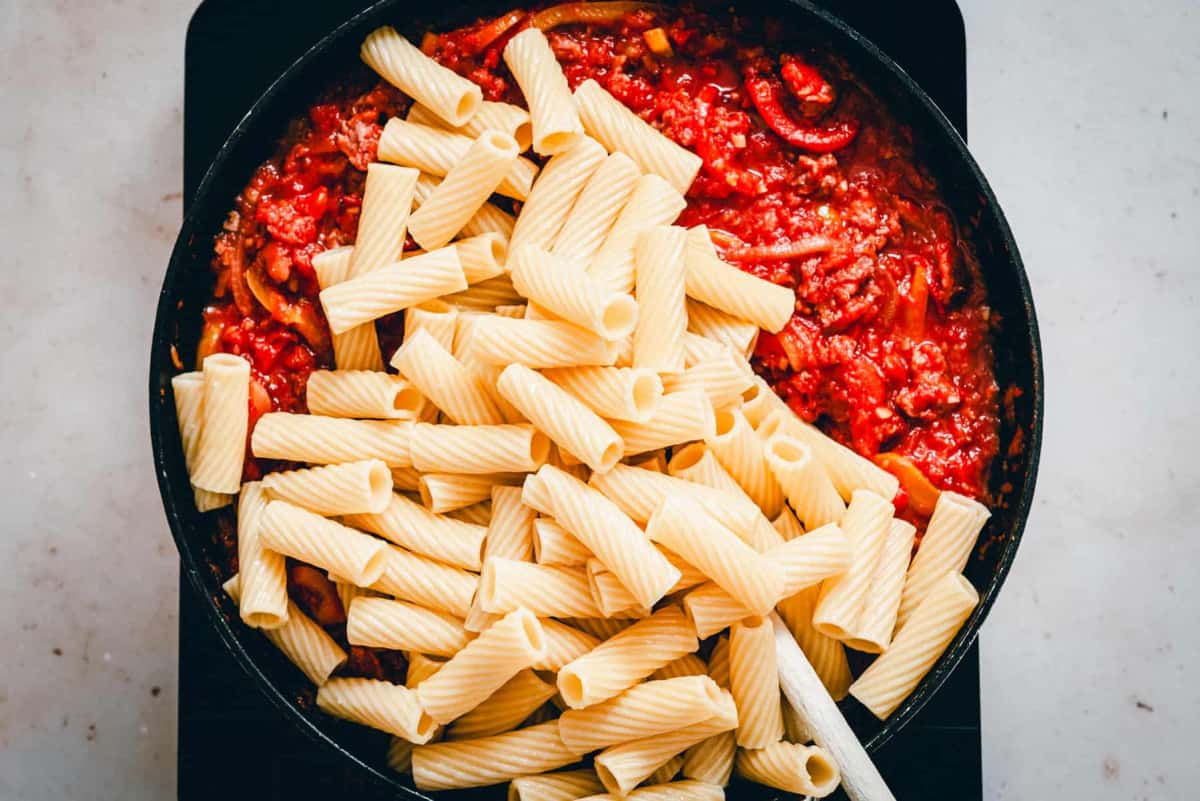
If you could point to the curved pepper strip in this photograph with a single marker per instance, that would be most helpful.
(767, 96)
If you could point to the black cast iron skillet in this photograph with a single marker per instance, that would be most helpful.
(187, 287)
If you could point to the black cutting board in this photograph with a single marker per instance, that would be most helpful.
(233, 744)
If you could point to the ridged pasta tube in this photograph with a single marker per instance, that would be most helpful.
(358, 348)
(382, 222)
(716, 551)
(263, 582)
(659, 278)
(337, 489)
(454, 99)
(617, 393)
(381, 705)
(537, 343)
(804, 481)
(445, 381)
(490, 760)
(759, 402)
(696, 463)
(506, 448)
(482, 256)
(419, 579)
(877, 620)
(571, 294)
(608, 120)
(603, 628)
(741, 453)
(402, 626)
(510, 531)
(412, 526)
(644, 710)
(447, 492)
(435, 152)
(224, 421)
(565, 786)
(362, 393)
(399, 755)
(800, 769)
(554, 194)
(491, 116)
(685, 790)
(754, 682)
(465, 189)
(639, 492)
(686, 665)
(626, 658)
(420, 667)
(596, 209)
(508, 646)
(949, 539)
(306, 536)
(711, 761)
(438, 318)
(488, 219)
(556, 125)
(890, 679)
(697, 349)
(554, 545)
(612, 598)
(484, 297)
(329, 440)
(609, 533)
(188, 389)
(826, 655)
(722, 378)
(393, 288)
(866, 526)
(653, 202)
(723, 286)
(564, 644)
(573, 426)
(302, 641)
(787, 524)
(504, 709)
(680, 417)
(546, 590)
(405, 479)
(721, 327)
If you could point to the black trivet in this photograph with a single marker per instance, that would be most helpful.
(233, 744)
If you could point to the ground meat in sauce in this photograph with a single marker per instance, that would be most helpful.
(806, 182)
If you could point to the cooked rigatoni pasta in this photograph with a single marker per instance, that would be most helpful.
(573, 426)
(188, 389)
(680, 417)
(665, 772)
(554, 545)
(510, 531)
(877, 619)
(612, 598)
(337, 489)
(653, 202)
(618, 128)
(695, 463)
(347, 591)
(306, 536)
(655, 790)
(928, 630)
(697, 349)
(639, 492)
(571, 294)
(948, 542)
(537, 343)
(804, 481)
(329, 440)
(741, 453)
(686, 665)
(489, 219)
(445, 381)
(466, 187)
(801, 769)
(412, 526)
(787, 524)
(723, 378)
(596, 209)
(484, 297)
(491, 116)
(644, 710)
(659, 278)
(760, 401)
(223, 424)
(382, 222)
(848, 470)
(710, 761)
(565, 786)
(482, 256)
(393, 288)
(358, 348)
(405, 479)
(447, 492)
(725, 287)
(554, 193)
(689, 575)
(402, 626)
(420, 667)
(622, 767)
(721, 327)
(262, 587)
(435, 152)
(416, 578)
(362, 393)
(626, 658)
(754, 682)
(490, 760)
(302, 641)
(504, 709)
(795, 729)
(617, 393)
(388, 707)
(546, 590)
(603, 628)
(438, 318)
(508, 646)
(608, 533)
(510, 447)
(826, 655)
(454, 99)
(556, 125)
(563, 645)
(741, 571)
(399, 755)
(866, 525)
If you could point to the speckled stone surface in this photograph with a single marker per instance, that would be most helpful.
(1085, 117)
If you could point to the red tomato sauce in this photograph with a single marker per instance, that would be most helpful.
(806, 182)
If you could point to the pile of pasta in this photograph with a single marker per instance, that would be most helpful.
(573, 485)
